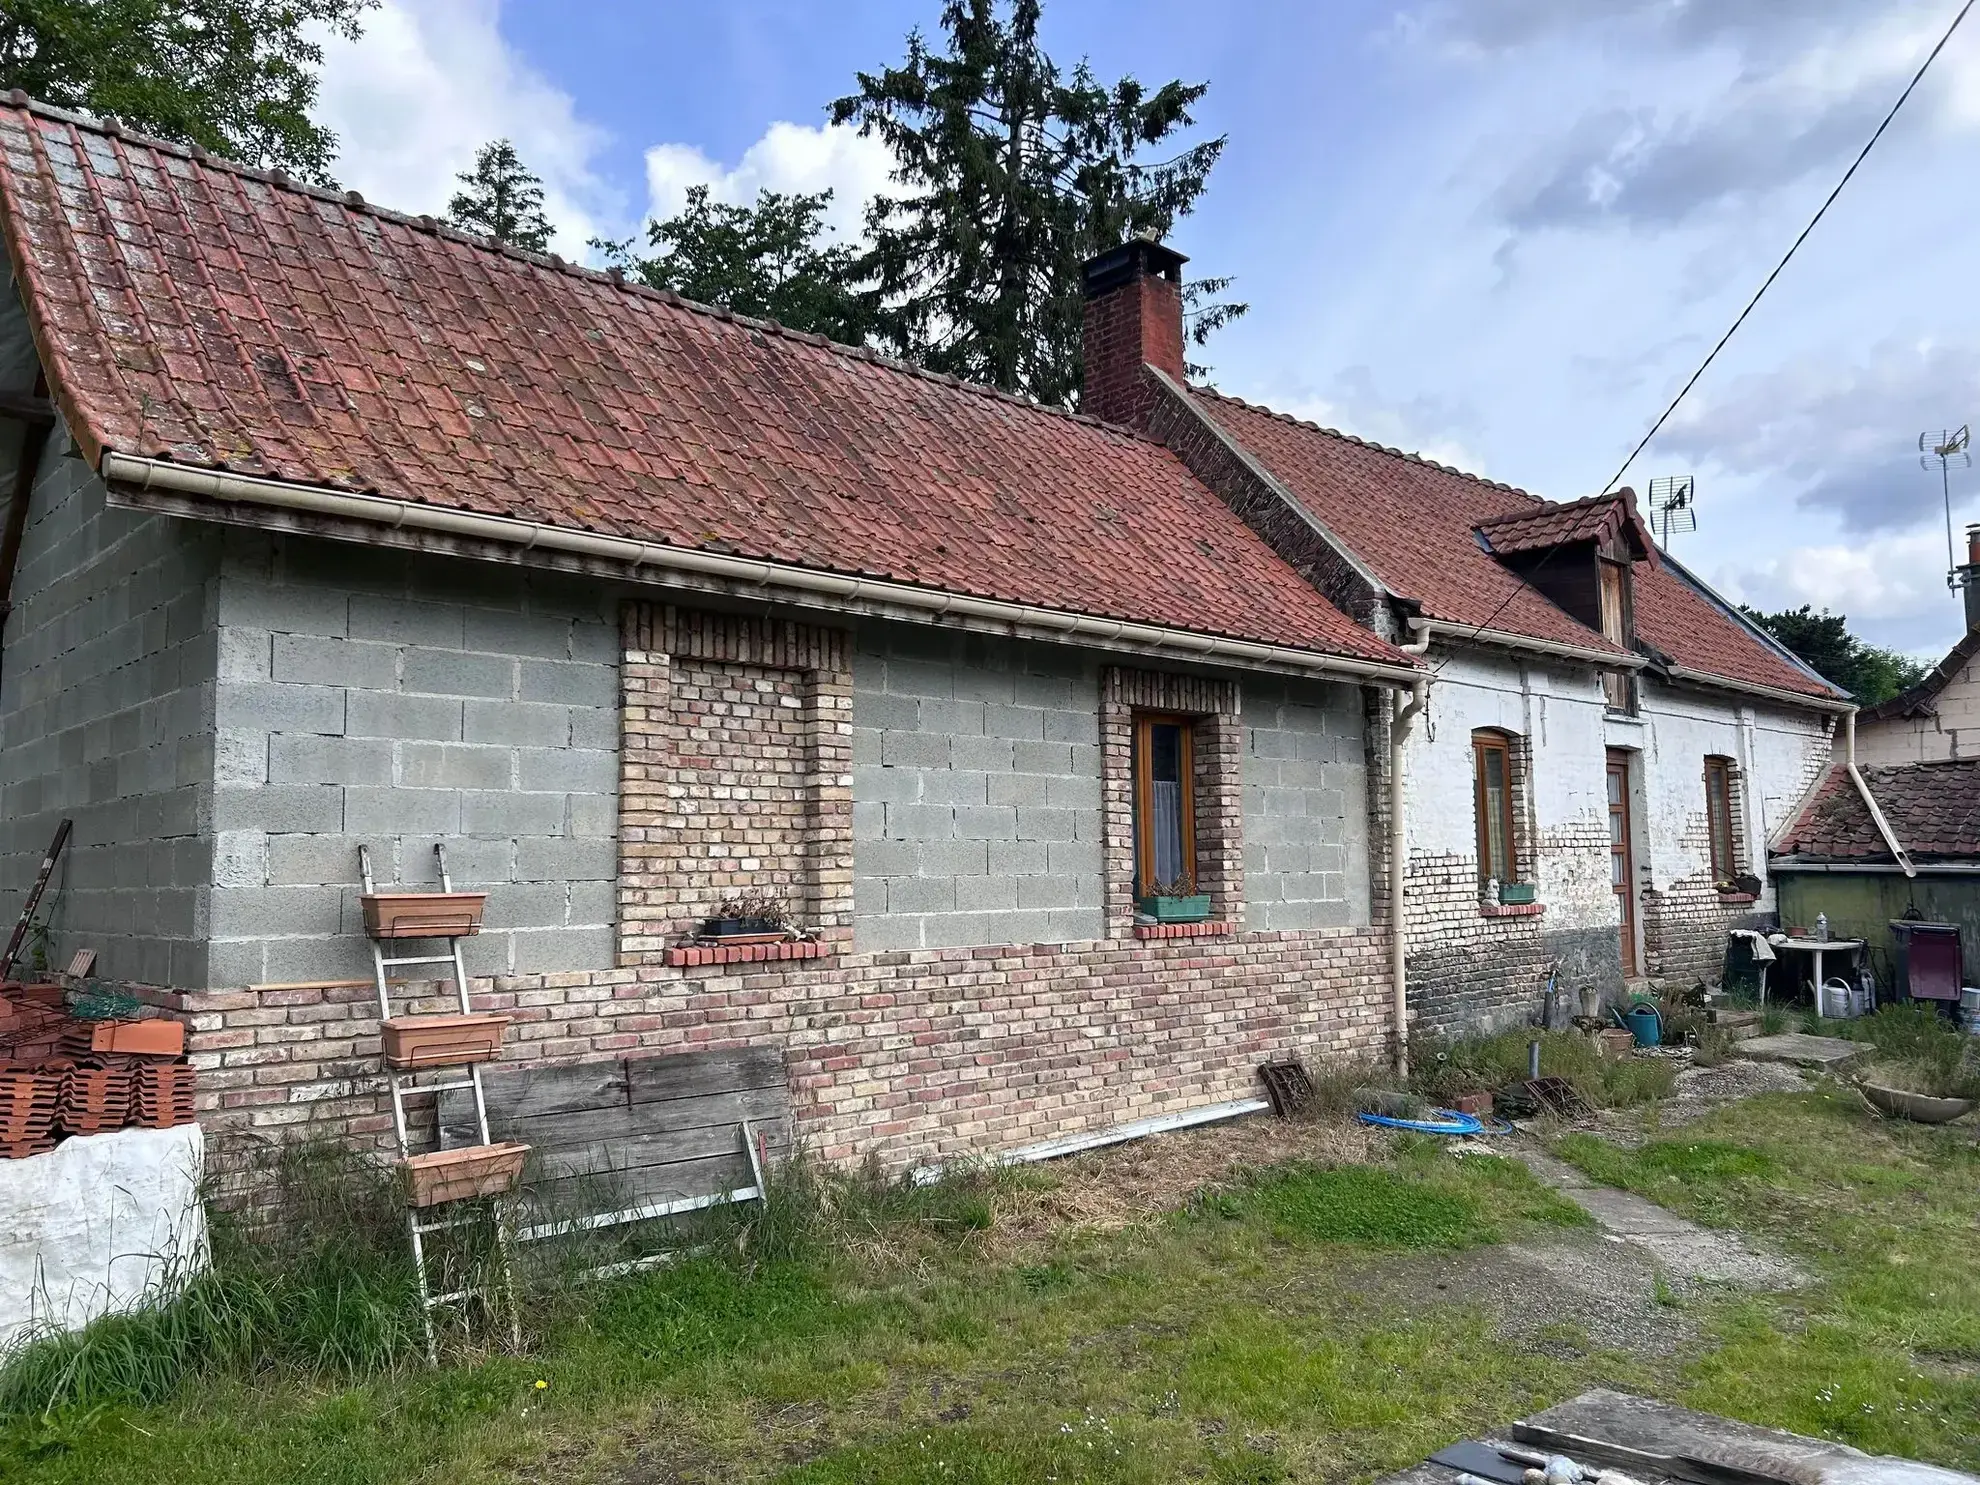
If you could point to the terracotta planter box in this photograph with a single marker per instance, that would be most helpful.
(423, 914)
(159, 1037)
(461, 1175)
(442, 1041)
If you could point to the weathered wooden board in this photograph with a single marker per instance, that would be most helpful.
(607, 1136)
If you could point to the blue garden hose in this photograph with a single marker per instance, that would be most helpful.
(1447, 1121)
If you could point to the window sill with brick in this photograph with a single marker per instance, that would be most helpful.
(1490, 909)
(1203, 928)
(1733, 897)
(686, 956)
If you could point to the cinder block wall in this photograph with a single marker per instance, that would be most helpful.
(379, 697)
(106, 705)
(1305, 806)
(976, 791)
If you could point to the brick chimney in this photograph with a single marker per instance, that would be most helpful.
(1134, 318)
(1969, 574)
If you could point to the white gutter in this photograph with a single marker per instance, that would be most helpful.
(1751, 688)
(1399, 855)
(148, 474)
(1120, 1134)
(1860, 868)
(1898, 852)
(1428, 629)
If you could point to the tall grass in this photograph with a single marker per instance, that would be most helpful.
(1926, 1046)
(1445, 1069)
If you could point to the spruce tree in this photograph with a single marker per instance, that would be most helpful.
(503, 200)
(1010, 174)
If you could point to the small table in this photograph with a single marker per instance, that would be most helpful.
(1813, 946)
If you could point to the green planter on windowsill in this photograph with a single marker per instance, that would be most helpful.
(1515, 894)
(1175, 909)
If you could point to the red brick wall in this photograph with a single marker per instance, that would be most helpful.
(1140, 323)
(907, 1056)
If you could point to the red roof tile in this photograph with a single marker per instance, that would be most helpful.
(192, 310)
(1933, 809)
(1595, 519)
(1418, 524)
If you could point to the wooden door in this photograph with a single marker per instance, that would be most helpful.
(1622, 863)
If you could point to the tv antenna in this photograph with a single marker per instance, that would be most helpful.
(1947, 450)
(1671, 506)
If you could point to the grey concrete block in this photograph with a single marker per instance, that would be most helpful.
(986, 754)
(240, 756)
(878, 784)
(974, 684)
(914, 750)
(921, 822)
(381, 714)
(592, 903)
(333, 957)
(596, 727)
(574, 770)
(515, 722)
(986, 894)
(274, 707)
(1073, 727)
(955, 717)
(297, 860)
(948, 786)
(299, 609)
(865, 747)
(240, 858)
(594, 815)
(513, 632)
(869, 895)
(1081, 794)
(312, 659)
(881, 934)
(233, 964)
(921, 678)
(561, 859)
(594, 641)
(553, 951)
(279, 809)
(1051, 692)
(1017, 723)
(1017, 788)
(1044, 757)
(388, 810)
(277, 912)
(882, 712)
(955, 858)
(921, 895)
(243, 655)
(1045, 824)
(886, 858)
(408, 621)
(570, 682)
(424, 765)
(1048, 892)
(527, 905)
(1019, 857)
(506, 812)
(1072, 926)
(1073, 858)
(869, 819)
(986, 822)
(302, 759)
(452, 673)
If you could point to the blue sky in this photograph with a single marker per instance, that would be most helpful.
(1500, 232)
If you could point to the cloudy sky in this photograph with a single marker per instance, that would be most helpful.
(1501, 232)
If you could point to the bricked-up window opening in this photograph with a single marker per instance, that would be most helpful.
(1165, 807)
(1618, 687)
(1497, 856)
(1719, 819)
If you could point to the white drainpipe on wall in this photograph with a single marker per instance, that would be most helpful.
(1898, 852)
(1404, 715)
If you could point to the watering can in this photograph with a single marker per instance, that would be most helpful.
(1645, 1023)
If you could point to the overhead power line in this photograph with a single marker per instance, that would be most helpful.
(1820, 212)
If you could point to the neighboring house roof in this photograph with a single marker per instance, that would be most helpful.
(1423, 529)
(1918, 701)
(196, 311)
(1933, 809)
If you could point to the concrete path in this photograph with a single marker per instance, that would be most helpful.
(1829, 1053)
(1681, 1247)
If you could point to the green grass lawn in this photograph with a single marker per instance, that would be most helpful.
(1299, 1324)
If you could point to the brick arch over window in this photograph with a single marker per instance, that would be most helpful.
(1502, 805)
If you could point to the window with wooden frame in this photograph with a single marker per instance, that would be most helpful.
(1719, 779)
(1498, 854)
(1618, 686)
(1164, 806)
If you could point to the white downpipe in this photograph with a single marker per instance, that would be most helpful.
(1898, 852)
(380, 510)
(1399, 729)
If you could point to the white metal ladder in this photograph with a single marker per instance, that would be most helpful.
(404, 1082)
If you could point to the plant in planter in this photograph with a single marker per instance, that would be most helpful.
(750, 918)
(1175, 902)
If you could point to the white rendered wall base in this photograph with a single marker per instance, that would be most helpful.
(97, 1224)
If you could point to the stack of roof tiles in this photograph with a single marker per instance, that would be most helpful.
(28, 1100)
(162, 1095)
(95, 1097)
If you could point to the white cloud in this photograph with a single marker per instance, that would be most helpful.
(1893, 588)
(789, 158)
(429, 83)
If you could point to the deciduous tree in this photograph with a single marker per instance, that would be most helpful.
(1823, 641)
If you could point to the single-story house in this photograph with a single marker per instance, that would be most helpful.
(330, 527)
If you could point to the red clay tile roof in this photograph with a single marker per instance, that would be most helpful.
(1416, 525)
(1933, 809)
(192, 310)
(1595, 519)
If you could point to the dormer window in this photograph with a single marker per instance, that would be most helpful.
(1618, 686)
